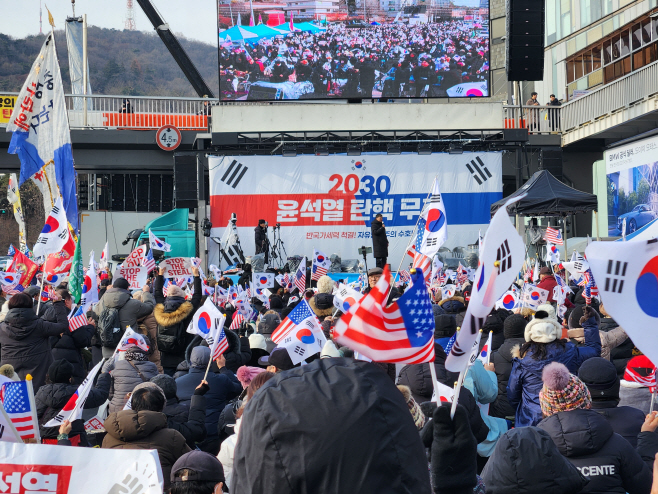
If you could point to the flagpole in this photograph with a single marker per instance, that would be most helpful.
(33, 406)
(43, 275)
(413, 234)
(455, 398)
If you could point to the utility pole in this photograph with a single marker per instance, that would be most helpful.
(130, 16)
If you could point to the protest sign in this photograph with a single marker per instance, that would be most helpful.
(177, 267)
(26, 467)
(135, 275)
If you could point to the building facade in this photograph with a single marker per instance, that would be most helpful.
(590, 43)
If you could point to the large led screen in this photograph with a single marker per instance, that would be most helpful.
(353, 49)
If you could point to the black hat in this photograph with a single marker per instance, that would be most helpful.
(197, 466)
(121, 283)
(577, 313)
(445, 326)
(514, 326)
(32, 290)
(60, 371)
(322, 304)
(375, 271)
(276, 303)
(494, 322)
(279, 358)
(600, 377)
(167, 384)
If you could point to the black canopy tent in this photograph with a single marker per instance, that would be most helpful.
(547, 196)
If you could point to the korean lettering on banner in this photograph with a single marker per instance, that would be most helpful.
(27, 479)
(135, 275)
(35, 109)
(7, 104)
(177, 267)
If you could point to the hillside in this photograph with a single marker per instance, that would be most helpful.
(120, 62)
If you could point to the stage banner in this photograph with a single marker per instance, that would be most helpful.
(32, 468)
(328, 202)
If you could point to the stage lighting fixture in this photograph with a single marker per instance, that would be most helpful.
(424, 148)
(455, 148)
(322, 150)
(353, 150)
(394, 148)
(289, 151)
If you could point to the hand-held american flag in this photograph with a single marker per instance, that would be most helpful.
(321, 264)
(78, 319)
(421, 261)
(148, 262)
(8, 432)
(553, 236)
(301, 317)
(403, 332)
(73, 408)
(18, 402)
(237, 320)
(300, 276)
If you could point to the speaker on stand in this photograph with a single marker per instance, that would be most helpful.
(525, 40)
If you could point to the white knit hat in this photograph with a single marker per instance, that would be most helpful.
(549, 309)
(326, 285)
(542, 329)
(329, 350)
(257, 340)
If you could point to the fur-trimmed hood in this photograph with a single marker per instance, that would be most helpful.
(453, 305)
(170, 318)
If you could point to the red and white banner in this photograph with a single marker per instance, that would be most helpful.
(29, 468)
(328, 202)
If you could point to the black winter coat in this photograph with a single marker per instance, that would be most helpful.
(502, 360)
(51, 398)
(419, 380)
(188, 419)
(526, 461)
(625, 421)
(170, 311)
(353, 410)
(260, 239)
(223, 387)
(24, 342)
(68, 348)
(586, 438)
(379, 240)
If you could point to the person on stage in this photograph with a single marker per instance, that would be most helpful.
(261, 240)
(379, 241)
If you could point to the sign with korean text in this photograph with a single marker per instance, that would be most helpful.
(29, 468)
(328, 202)
(7, 104)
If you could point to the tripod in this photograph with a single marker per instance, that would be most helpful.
(278, 248)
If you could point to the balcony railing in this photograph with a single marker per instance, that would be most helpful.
(614, 96)
(537, 119)
(148, 113)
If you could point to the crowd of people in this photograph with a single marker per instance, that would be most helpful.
(390, 60)
(557, 410)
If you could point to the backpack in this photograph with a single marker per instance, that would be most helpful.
(171, 339)
(109, 327)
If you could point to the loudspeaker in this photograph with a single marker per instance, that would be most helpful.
(551, 160)
(515, 135)
(185, 180)
(525, 40)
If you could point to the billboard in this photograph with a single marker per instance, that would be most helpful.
(632, 186)
(328, 202)
(7, 104)
(329, 49)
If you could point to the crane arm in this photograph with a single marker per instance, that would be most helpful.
(176, 50)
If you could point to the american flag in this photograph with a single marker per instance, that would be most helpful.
(462, 274)
(301, 315)
(405, 276)
(286, 279)
(238, 319)
(248, 291)
(451, 342)
(403, 332)
(77, 320)
(148, 262)
(181, 282)
(553, 236)
(321, 265)
(222, 344)
(421, 261)
(18, 405)
(13, 289)
(300, 276)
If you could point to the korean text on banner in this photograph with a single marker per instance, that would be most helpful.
(69, 473)
(330, 201)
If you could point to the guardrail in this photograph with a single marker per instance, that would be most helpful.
(537, 119)
(148, 112)
(612, 97)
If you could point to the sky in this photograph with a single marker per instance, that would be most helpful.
(196, 19)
